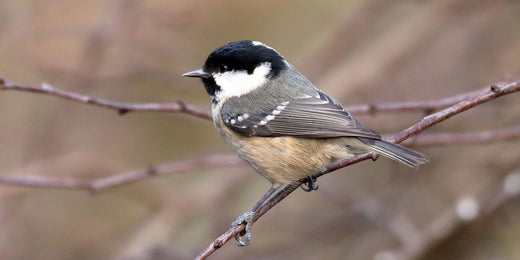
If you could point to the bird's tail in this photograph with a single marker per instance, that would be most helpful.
(395, 152)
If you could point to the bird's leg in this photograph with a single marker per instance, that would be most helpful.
(309, 184)
(243, 240)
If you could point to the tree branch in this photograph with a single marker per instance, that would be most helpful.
(455, 105)
(95, 185)
(480, 137)
(121, 107)
(98, 184)
(179, 106)
(492, 92)
(428, 106)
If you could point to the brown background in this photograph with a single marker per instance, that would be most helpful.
(357, 51)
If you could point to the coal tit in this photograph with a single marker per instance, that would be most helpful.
(279, 122)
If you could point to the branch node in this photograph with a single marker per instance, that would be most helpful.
(374, 156)
(218, 243)
(152, 170)
(495, 89)
(372, 109)
(182, 105)
(6, 84)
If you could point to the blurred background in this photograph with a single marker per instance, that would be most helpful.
(358, 51)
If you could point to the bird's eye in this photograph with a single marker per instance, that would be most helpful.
(223, 68)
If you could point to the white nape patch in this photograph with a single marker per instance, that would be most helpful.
(467, 208)
(238, 83)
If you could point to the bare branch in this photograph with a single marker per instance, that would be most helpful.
(128, 177)
(121, 107)
(216, 160)
(428, 106)
(481, 137)
(457, 104)
(228, 235)
(95, 185)
(493, 92)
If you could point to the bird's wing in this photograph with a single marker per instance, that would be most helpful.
(317, 116)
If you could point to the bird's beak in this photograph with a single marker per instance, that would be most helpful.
(197, 73)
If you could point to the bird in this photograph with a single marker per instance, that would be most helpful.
(282, 125)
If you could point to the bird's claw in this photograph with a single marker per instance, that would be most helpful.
(243, 240)
(310, 184)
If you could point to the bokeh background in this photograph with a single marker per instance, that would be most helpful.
(357, 51)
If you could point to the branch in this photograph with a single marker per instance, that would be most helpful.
(493, 92)
(481, 137)
(98, 184)
(458, 104)
(95, 185)
(475, 97)
(428, 106)
(179, 106)
(121, 107)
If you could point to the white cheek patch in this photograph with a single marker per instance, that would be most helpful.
(238, 83)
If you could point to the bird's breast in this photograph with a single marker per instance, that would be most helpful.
(284, 159)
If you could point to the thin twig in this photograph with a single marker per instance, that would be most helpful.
(476, 137)
(182, 107)
(428, 106)
(429, 139)
(458, 104)
(95, 185)
(121, 107)
(217, 160)
(493, 92)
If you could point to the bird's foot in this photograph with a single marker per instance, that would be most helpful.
(243, 239)
(310, 184)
